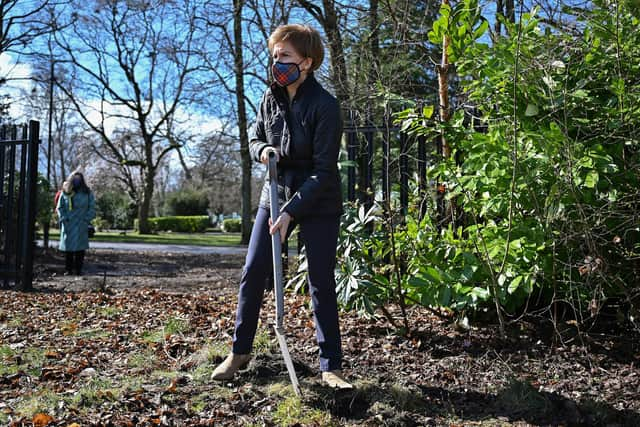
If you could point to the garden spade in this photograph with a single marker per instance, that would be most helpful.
(278, 284)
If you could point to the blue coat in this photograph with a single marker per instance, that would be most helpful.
(75, 212)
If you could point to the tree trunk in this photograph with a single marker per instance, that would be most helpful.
(499, 11)
(338, 62)
(327, 17)
(510, 11)
(242, 121)
(145, 203)
(374, 45)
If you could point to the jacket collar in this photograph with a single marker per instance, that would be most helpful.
(281, 93)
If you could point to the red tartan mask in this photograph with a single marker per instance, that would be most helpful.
(287, 73)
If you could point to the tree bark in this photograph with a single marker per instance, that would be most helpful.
(242, 120)
(145, 203)
(327, 17)
(499, 11)
(374, 44)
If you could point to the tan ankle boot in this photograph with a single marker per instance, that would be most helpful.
(232, 364)
(336, 380)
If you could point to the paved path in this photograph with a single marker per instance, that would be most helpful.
(147, 247)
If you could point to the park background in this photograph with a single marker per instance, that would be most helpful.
(491, 168)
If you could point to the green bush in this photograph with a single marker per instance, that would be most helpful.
(180, 224)
(100, 224)
(186, 203)
(231, 225)
(116, 209)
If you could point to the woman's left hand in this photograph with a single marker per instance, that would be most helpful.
(282, 224)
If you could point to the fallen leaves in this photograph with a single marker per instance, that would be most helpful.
(41, 420)
(143, 356)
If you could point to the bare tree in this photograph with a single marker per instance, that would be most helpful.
(21, 22)
(133, 60)
(249, 55)
(328, 17)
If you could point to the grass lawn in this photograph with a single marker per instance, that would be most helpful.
(203, 239)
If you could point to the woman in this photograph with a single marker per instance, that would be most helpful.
(76, 209)
(300, 122)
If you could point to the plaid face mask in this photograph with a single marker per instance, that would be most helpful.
(285, 73)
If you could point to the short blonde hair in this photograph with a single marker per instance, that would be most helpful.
(304, 39)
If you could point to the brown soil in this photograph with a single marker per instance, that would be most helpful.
(133, 341)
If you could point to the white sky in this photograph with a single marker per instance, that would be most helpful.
(18, 79)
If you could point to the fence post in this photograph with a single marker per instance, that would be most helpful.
(422, 173)
(386, 154)
(351, 169)
(368, 172)
(30, 212)
(404, 173)
(11, 231)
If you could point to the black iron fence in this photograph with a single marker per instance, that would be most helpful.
(18, 189)
(381, 157)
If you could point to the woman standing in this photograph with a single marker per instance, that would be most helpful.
(299, 121)
(76, 209)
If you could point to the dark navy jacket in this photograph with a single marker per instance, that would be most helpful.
(307, 135)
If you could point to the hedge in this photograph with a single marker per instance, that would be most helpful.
(180, 224)
(231, 225)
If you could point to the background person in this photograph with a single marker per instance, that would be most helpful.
(76, 209)
(301, 122)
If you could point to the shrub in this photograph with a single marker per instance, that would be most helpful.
(187, 202)
(115, 209)
(100, 224)
(231, 225)
(180, 224)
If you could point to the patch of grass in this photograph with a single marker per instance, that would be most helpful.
(291, 412)
(96, 391)
(202, 373)
(153, 336)
(201, 239)
(216, 350)
(6, 352)
(44, 401)
(173, 325)
(263, 343)
(164, 374)
(176, 325)
(145, 359)
(31, 360)
(109, 311)
(15, 321)
(199, 402)
(280, 389)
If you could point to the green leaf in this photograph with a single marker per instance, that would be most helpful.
(532, 110)
(592, 179)
(431, 274)
(427, 111)
(481, 29)
(515, 283)
(480, 293)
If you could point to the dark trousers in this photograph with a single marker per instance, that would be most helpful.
(74, 261)
(319, 235)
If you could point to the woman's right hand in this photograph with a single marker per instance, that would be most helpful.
(264, 156)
